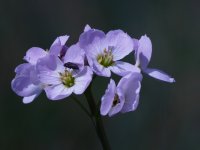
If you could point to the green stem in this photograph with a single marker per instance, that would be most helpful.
(99, 124)
(83, 108)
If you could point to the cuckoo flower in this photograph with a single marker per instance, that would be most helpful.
(26, 82)
(121, 98)
(143, 51)
(104, 52)
(62, 81)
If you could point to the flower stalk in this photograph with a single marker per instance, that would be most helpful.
(98, 120)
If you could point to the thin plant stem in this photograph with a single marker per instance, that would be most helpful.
(99, 123)
(84, 109)
(81, 106)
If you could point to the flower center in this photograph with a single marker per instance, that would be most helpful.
(67, 79)
(116, 100)
(105, 59)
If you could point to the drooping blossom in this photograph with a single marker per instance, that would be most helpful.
(26, 82)
(62, 80)
(104, 51)
(143, 51)
(121, 98)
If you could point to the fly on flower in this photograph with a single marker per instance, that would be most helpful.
(62, 80)
(26, 82)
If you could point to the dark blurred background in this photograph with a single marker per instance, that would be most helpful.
(168, 116)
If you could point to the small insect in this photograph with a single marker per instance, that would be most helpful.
(71, 65)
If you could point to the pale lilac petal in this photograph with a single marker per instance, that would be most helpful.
(135, 43)
(23, 87)
(160, 75)
(29, 99)
(100, 70)
(50, 62)
(121, 42)
(57, 92)
(75, 55)
(23, 69)
(107, 98)
(87, 28)
(117, 108)
(49, 77)
(58, 44)
(143, 54)
(96, 48)
(86, 38)
(82, 80)
(130, 85)
(33, 54)
(122, 68)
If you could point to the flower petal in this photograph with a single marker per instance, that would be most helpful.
(86, 38)
(23, 69)
(121, 42)
(22, 86)
(144, 51)
(100, 70)
(33, 54)
(130, 85)
(29, 99)
(160, 75)
(135, 43)
(82, 80)
(58, 44)
(57, 92)
(87, 28)
(107, 98)
(74, 55)
(117, 108)
(122, 68)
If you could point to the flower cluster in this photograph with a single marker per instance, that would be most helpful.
(63, 70)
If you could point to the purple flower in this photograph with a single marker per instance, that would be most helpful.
(103, 52)
(26, 82)
(121, 98)
(143, 51)
(62, 81)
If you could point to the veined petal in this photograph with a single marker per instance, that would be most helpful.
(48, 69)
(33, 54)
(58, 44)
(82, 80)
(50, 62)
(107, 98)
(86, 38)
(74, 55)
(144, 51)
(100, 70)
(57, 92)
(160, 75)
(121, 42)
(122, 68)
(130, 85)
